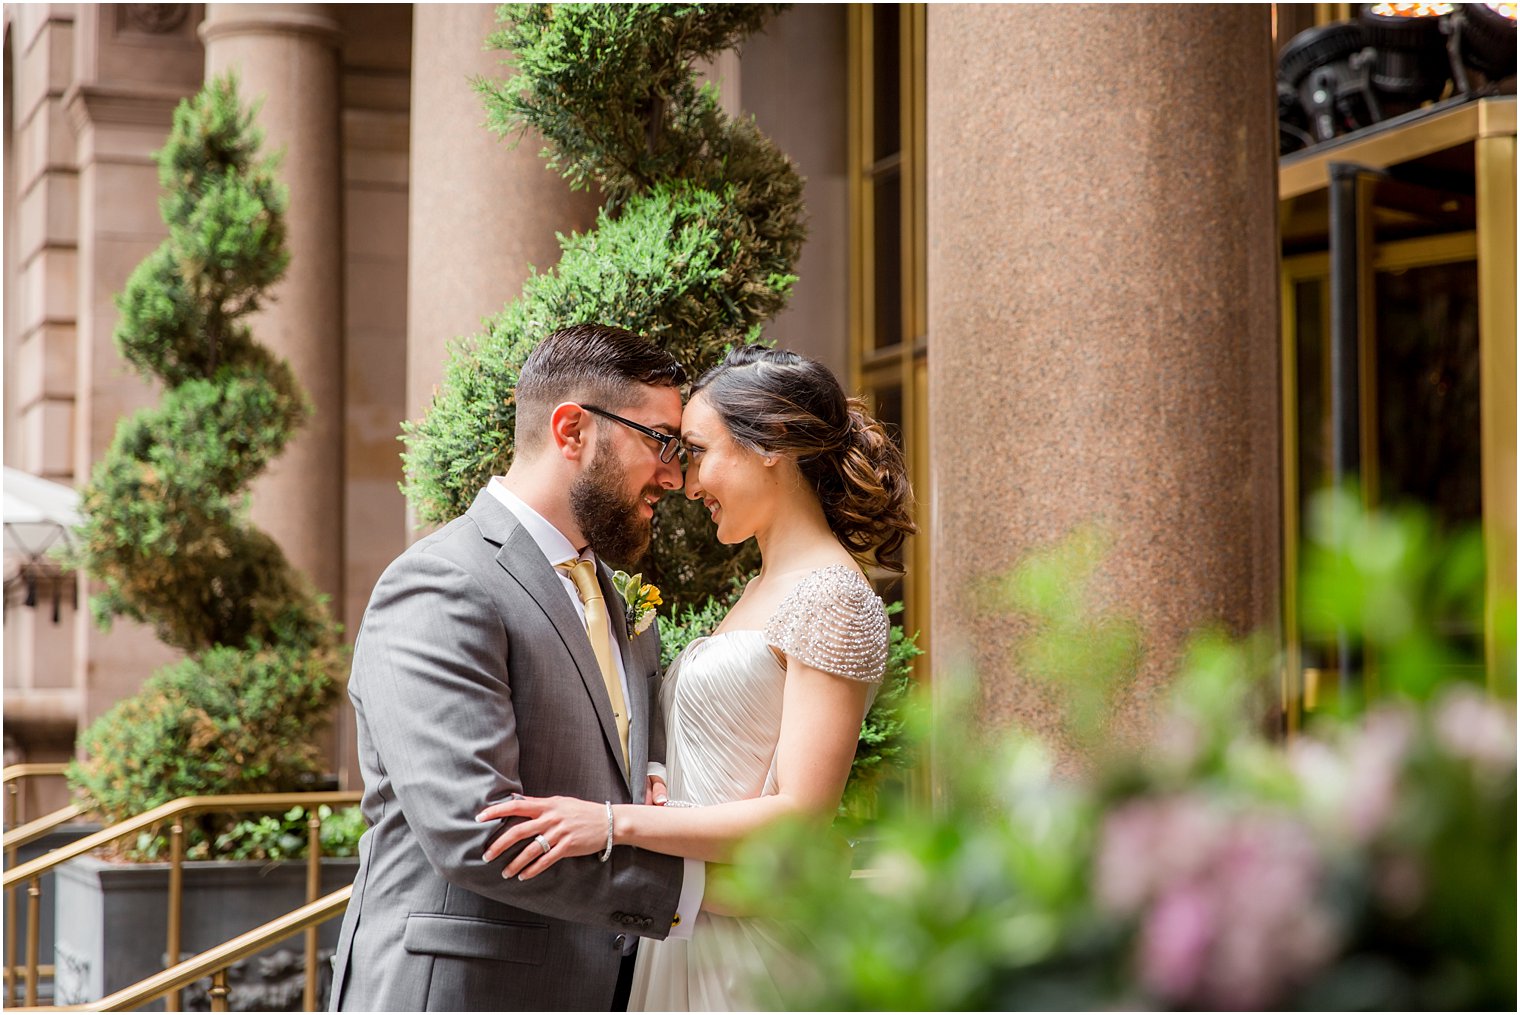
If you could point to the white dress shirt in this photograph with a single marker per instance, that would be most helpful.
(559, 550)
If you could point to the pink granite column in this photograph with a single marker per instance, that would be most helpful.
(1103, 320)
(286, 58)
(481, 211)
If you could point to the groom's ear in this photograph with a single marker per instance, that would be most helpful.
(568, 431)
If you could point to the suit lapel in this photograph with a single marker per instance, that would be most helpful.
(522, 559)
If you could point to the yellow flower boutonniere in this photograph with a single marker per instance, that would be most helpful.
(641, 601)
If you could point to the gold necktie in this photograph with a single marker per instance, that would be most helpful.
(583, 574)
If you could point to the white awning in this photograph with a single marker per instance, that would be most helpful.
(38, 514)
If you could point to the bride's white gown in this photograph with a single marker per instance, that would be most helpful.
(722, 703)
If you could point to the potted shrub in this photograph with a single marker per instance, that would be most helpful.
(166, 537)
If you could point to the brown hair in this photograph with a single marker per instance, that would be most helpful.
(591, 362)
(774, 401)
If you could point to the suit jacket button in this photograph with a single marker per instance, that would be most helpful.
(620, 941)
(646, 922)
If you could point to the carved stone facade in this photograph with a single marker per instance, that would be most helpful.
(154, 19)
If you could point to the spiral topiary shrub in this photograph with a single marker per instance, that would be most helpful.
(695, 247)
(165, 532)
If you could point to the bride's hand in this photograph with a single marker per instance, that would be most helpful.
(571, 827)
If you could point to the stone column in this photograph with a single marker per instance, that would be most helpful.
(481, 211)
(1103, 319)
(286, 57)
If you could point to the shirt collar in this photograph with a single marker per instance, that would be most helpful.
(551, 541)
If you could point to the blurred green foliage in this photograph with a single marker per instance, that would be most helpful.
(1370, 863)
(165, 534)
(885, 749)
(1409, 597)
(1082, 654)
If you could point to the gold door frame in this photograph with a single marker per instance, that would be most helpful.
(904, 364)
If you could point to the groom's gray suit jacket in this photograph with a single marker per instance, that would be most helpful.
(473, 679)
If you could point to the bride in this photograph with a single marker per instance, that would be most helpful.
(763, 715)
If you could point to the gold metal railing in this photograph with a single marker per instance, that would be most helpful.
(174, 814)
(216, 961)
(12, 777)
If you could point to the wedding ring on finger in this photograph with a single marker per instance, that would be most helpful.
(543, 843)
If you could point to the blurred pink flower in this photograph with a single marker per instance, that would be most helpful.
(1375, 758)
(1324, 778)
(1174, 942)
(1275, 934)
(1471, 725)
(1229, 899)
(1149, 844)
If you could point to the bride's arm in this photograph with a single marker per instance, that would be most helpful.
(820, 727)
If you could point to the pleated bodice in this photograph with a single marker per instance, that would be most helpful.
(722, 703)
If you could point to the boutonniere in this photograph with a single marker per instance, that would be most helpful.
(641, 600)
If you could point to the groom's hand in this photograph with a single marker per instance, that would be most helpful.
(655, 791)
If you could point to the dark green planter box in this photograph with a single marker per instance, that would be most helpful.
(112, 925)
(58, 837)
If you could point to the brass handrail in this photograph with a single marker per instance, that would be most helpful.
(182, 807)
(215, 961)
(30, 768)
(46, 972)
(36, 829)
(173, 813)
(11, 777)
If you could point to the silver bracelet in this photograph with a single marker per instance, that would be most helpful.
(607, 853)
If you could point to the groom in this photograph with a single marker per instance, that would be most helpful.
(489, 664)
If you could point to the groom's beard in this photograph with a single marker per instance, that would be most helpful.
(612, 522)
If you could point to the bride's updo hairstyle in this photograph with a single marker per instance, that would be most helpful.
(777, 402)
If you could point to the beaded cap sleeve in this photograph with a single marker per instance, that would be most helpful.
(834, 622)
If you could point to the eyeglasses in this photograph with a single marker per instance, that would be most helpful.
(670, 444)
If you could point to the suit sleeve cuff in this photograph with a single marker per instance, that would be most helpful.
(693, 885)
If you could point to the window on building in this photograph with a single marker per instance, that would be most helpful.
(888, 290)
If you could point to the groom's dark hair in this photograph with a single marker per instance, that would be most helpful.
(592, 363)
